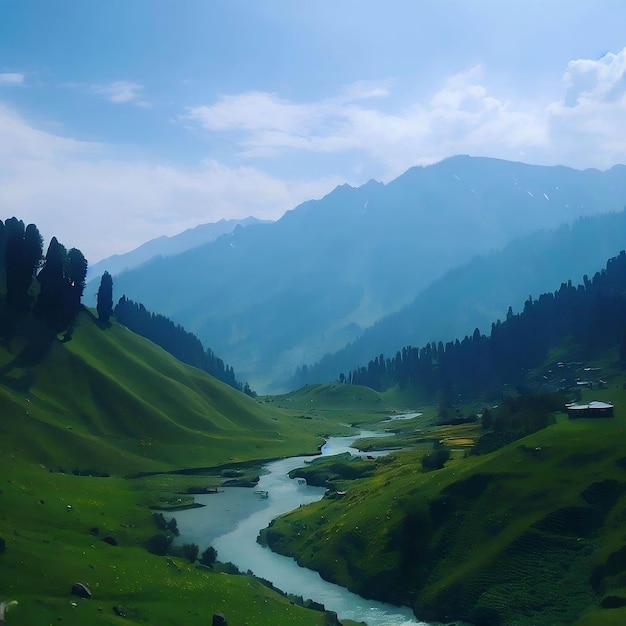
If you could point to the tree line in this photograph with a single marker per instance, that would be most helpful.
(60, 277)
(51, 287)
(592, 313)
(173, 338)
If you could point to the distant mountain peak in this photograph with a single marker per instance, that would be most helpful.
(164, 245)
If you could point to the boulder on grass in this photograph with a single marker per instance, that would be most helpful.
(219, 620)
(81, 590)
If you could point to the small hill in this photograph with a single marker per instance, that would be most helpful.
(527, 535)
(112, 402)
(77, 418)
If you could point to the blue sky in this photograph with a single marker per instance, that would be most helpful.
(124, 120)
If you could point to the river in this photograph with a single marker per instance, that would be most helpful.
(231, 521)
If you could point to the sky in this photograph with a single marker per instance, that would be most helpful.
(121, 121)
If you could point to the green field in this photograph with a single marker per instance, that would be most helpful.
(530, 534)
(76, 421)
(97, 430)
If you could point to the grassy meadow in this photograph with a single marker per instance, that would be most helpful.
(530, 534)
(77, 420)
(97, 430)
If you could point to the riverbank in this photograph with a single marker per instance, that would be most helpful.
(240, 547)
(220, 513)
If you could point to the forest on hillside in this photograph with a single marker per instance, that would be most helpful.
(173, 338)
(50, 287)
(60, 278)
(592, 313)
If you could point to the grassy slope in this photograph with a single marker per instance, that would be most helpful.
(48, 548)
(513, 533)
(113, 402)
(110, 400)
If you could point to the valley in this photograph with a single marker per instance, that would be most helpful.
(312, 313)
(468, 495)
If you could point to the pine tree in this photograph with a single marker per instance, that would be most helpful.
(104, 304)
(51, 279)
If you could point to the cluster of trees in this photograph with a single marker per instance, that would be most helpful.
(593, 313)
(61, 275)
(173, 338)
(160, 544)
(516, 416)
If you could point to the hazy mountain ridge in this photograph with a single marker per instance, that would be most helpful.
(273, 296)
(478, 293)
(165, 246)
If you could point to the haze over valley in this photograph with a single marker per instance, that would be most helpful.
(312, 314)
(340, 264)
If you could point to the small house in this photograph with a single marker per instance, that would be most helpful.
(593, 409)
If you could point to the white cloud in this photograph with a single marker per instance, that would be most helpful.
(590, 122)
(253, 111)
(11, 78)
(89, 198)
(463, 116)
(365, 90)
(121, 92)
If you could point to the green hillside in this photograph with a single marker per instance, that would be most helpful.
(76, 418)
(530, 534)
(113, 402)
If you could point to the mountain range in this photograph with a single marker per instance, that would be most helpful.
(477, 294)
(270, 297)
(166, 246)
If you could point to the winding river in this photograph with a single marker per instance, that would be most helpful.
(231, 521)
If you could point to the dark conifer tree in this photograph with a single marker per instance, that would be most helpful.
(75, 275)
(52, 280)
(3, 243)
(22, 255)
(104, 304)
(14, 233)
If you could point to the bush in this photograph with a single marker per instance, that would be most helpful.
(159, 544)
(190, 551)
(209, 556)
(232, 569)
(163, 524)
(435, 459)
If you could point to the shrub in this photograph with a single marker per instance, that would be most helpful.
(435, 459)
(190, 551)
(170, 526)
(159, 544)
(231, 568)
(209, 556)
(159, 520)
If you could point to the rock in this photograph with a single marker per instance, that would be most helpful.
(81, 590)
(331, 618)
(119, 610)
(112, 541)
(94, 530)
(219, 620)
(3, 545)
